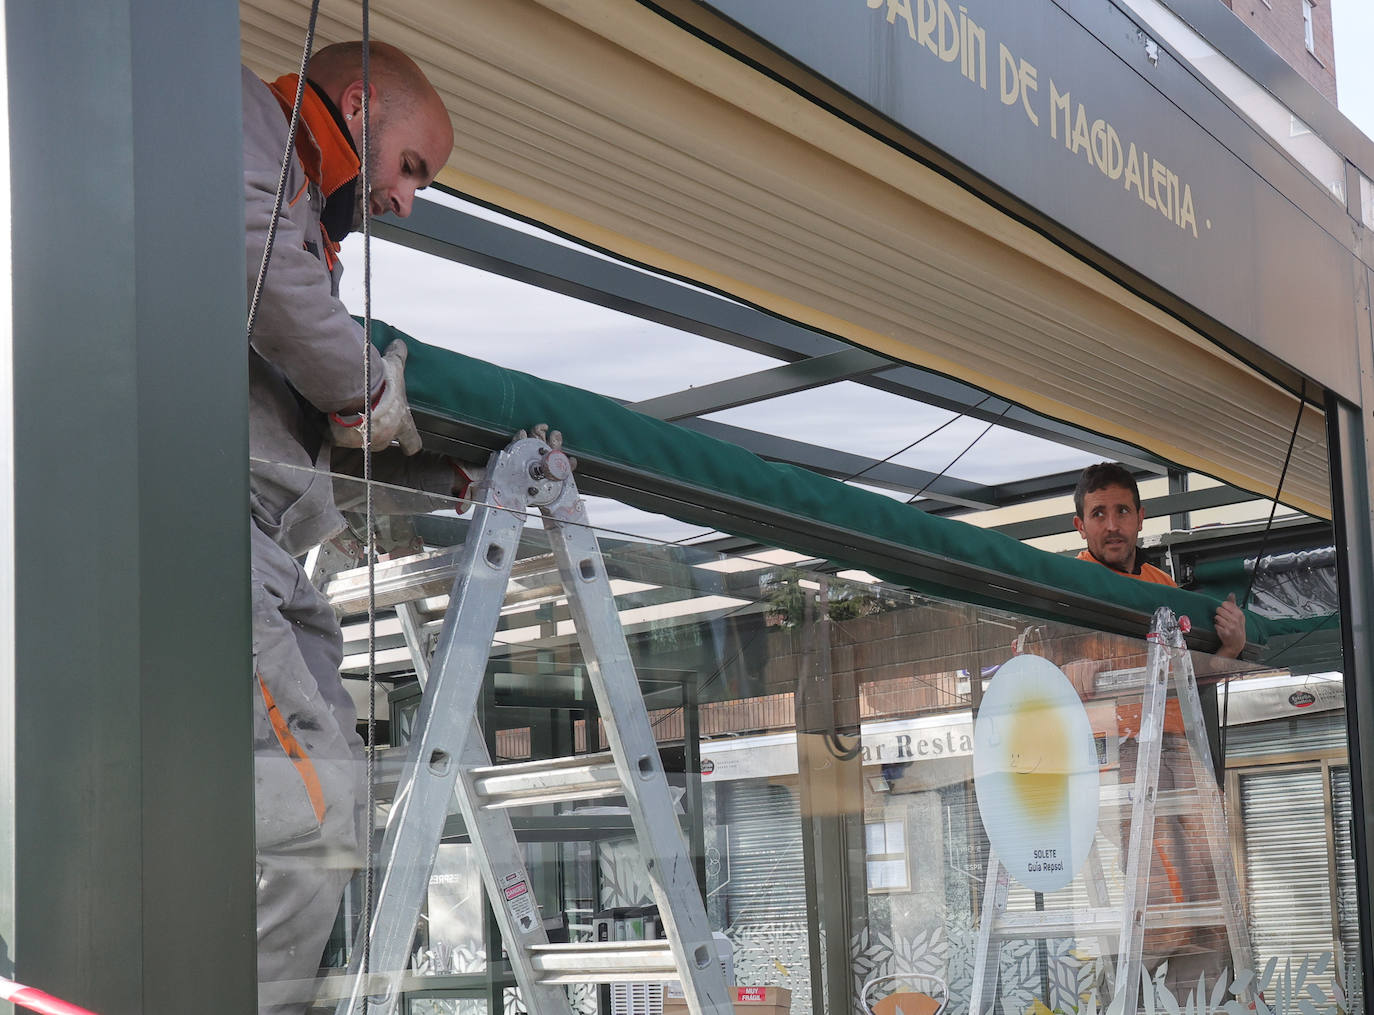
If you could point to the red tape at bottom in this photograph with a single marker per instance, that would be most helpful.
(36, 1000)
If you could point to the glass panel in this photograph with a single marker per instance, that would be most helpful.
(856, 768)
(445, 1006)
(452, 935)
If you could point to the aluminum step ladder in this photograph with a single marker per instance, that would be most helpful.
(448, 758)
(1124, 925)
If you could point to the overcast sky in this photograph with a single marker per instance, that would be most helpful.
(1353, 26)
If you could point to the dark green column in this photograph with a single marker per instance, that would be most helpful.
(126, 836)
(1351, 515)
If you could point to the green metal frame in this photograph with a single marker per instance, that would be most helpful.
(126, 858)
(1346, 435)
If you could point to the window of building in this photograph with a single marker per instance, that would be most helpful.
(885, 848)
(1307, 26)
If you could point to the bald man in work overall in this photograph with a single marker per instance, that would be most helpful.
(307, 400)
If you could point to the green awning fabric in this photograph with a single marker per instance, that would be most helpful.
(463, 389)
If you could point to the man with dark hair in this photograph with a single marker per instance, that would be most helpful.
(1108, 515)
(307, 397)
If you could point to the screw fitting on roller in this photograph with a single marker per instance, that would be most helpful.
(555, 466)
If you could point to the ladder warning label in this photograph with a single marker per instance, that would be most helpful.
(518, 901)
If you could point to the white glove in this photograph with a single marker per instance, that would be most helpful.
(391, 419)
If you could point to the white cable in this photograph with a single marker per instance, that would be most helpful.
(369, 879)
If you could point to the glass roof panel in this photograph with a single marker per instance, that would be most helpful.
(527, 328)
(851, 417)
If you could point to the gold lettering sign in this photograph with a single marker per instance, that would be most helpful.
(952, 36)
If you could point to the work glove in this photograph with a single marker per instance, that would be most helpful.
(465, 477)
(391, 419)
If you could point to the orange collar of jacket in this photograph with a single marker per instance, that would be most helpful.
(325, 152)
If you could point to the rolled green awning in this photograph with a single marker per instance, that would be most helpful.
(465, 390)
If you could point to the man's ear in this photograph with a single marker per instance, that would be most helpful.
(1078, 524)
(351, 99)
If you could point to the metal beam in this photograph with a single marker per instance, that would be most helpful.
(802, 375)
(1019, 491)
(1351, 515)
(1155, 507)
(845, 466)
(469, 239)
(1178, 483)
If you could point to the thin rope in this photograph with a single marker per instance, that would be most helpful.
(369, 877)
(953, 461)
(883, 461)
(291, 131)
(925, 436)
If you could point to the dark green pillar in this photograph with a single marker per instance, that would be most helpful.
(126, 835)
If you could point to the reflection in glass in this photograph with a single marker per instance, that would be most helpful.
(819, 735)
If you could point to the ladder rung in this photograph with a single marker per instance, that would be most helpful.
(604, 962)
(1169, 801)
(1096, 922)
(606, 976)
(1185, 914)
(581, 777)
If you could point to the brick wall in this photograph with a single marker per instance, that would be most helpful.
(1279, 24)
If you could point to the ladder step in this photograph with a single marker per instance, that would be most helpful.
(1096, 922)
(604, 962)
(1170, 801)
(581, 777)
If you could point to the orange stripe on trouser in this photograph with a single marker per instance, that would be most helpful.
(1175, 885)
(295, 752)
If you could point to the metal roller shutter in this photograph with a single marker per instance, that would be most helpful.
(1287, 878)
(767, 883)
(1347, 898)
(1325, 731)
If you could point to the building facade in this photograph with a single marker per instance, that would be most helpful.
(1299, 32)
